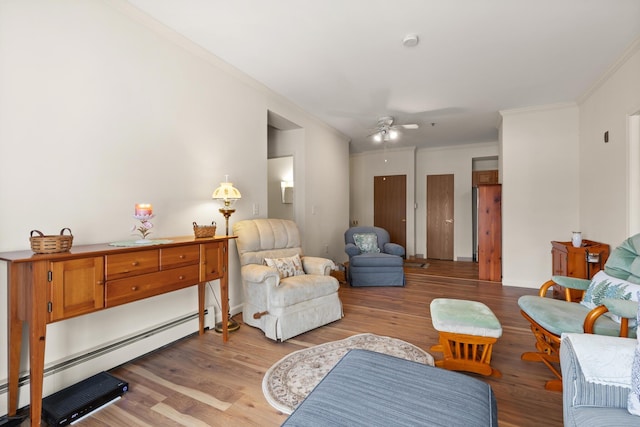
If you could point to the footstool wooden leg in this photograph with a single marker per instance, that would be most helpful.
(468, 353)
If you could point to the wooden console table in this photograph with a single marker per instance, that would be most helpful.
(46, 288)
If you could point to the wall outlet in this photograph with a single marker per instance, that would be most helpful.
(326, 249)
(256, 209)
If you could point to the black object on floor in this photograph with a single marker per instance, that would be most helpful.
(6, 421)
(74, 402)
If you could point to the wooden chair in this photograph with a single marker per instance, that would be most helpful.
(550, 318)
(608, 291)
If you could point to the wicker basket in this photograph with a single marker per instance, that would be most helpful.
(42, 244)
(204, 230)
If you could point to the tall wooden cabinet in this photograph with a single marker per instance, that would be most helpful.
(490, 232)
(582, 262)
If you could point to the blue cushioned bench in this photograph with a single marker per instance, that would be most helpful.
(374, 389)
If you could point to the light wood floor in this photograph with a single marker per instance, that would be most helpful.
(199, 381)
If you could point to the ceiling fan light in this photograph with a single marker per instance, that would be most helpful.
(377, 137)
(393, 134)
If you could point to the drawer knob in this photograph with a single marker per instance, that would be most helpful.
(182, 257)
(134, 288)
(135, 263)
(181, 277)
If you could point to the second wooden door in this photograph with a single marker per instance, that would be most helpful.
(440, 217)
(390, 206)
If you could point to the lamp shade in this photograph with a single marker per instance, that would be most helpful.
(227, 193)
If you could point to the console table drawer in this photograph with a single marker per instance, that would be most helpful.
(179, 256)
(122, 291)
(131, 264)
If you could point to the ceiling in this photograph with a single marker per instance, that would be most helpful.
(344, 60)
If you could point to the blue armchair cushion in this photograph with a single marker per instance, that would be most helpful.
(377, 260)
(367, 242)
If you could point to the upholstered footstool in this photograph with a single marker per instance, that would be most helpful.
(468, 330)
(368, 389)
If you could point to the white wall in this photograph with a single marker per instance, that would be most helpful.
(559, 176)
(540, 197)
(456, 160)
(605, 167)
(102, 108)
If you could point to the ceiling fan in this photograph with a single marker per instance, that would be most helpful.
(385, 130)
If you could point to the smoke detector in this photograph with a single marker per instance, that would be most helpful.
(410, 40)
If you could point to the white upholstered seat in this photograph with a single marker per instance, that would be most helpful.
(283, 307)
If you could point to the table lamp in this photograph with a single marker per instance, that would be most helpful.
(227, 194)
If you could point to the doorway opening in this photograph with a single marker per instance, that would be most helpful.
(284, 149)
(484, 170)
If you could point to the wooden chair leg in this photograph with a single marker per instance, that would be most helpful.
(548, 346)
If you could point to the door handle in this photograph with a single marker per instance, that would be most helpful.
(448, 221)
(404, 220)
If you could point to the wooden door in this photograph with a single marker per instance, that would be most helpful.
(440, 217)
(390, 206)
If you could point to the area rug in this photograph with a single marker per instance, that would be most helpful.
(291, 379)
(416, 264)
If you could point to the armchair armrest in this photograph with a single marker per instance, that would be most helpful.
(624, 308)
(621, 307)
(317, 265)
(572, 282)
(567, 283)
(259, 273)
(351, 249)
(393, 249)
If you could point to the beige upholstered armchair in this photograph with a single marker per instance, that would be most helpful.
(294, 293)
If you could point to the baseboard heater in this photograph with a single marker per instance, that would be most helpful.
(106, 349)
(71, 404)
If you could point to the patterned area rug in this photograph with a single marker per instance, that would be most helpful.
(291, 379)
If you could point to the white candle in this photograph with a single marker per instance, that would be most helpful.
(143, 209)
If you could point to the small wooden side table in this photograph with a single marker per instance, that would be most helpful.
(583, 262)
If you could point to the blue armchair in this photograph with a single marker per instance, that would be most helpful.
(373, 259)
